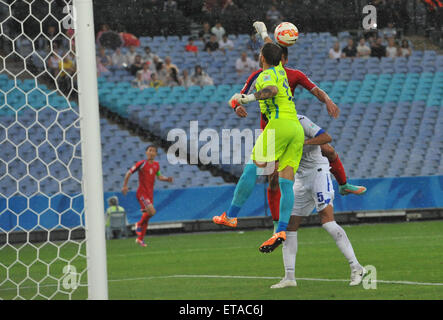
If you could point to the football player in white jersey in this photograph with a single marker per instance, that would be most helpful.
(313, 189)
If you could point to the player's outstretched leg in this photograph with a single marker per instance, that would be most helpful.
(339, 172)
(343, 243)
(286, 203)
(243, 191)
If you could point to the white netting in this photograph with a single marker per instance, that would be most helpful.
(42, 243)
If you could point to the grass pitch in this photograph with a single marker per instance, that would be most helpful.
(408, 258)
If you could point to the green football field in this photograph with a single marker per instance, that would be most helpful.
(408, 259)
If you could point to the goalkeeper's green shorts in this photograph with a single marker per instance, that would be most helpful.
(282, 141)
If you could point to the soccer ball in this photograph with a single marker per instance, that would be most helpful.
(286, 34)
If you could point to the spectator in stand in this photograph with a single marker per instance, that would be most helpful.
(191, 47)
(155, 81)
(162, 74)
(104, 59)
(389, 31)
(173, 79)
(405, 50)
(66, 66)
(244, 64)
(101, 66)
(44, 41)
(185, 79)
(119, 59)
(67, 69)
(145, 72)
(139, 81)
(218, 30)
(148, 55)
(53, 64)
(256, 61)
(350, 51)
(225, 44)
(205, 34)
(335, 52)
(130, 55)
(169, 65)
(212, 44)
(363, 50)
(391, 50)
(378, 49)
(137, 65)
(170, 6)
(152, 58)
(201, 78)
(254, 44)
(273, 16)
(156, 64)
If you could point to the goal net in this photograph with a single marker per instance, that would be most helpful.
(51, 226)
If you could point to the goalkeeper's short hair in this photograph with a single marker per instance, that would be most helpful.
(272, 53)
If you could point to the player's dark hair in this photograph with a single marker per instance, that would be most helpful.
(272, 53)
(284, 52)
(151, 146)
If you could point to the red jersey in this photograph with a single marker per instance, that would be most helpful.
(146, 177)
(295, 77)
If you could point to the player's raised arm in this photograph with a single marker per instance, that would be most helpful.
(261, 29)
(322, 96)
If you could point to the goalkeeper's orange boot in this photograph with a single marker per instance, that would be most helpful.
(273, 242)
(224, 220)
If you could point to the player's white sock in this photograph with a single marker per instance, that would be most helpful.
(289, 254)
(342, 241)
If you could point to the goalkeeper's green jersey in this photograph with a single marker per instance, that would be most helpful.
(282, 105)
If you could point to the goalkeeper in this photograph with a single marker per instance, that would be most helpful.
(282, 140)
(295, 78)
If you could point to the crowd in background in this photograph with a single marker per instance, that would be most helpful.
(150, 70)
(385, 43)
(210, 21)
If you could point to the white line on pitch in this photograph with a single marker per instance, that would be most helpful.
(242, 277)
(270, 278)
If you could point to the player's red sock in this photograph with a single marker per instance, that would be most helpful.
(274, 203)
(338, 171)
(143, 223)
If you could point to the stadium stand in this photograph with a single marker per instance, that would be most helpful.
(384, 98)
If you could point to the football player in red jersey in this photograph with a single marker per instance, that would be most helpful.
(297, 77)
(147, 170)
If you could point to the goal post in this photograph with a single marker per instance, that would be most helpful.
(52, 218)
(91, 149)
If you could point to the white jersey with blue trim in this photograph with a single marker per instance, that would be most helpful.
(312, 157)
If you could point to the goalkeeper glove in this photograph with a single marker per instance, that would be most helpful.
(245, 99)
(261, 29)
(234, 101)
